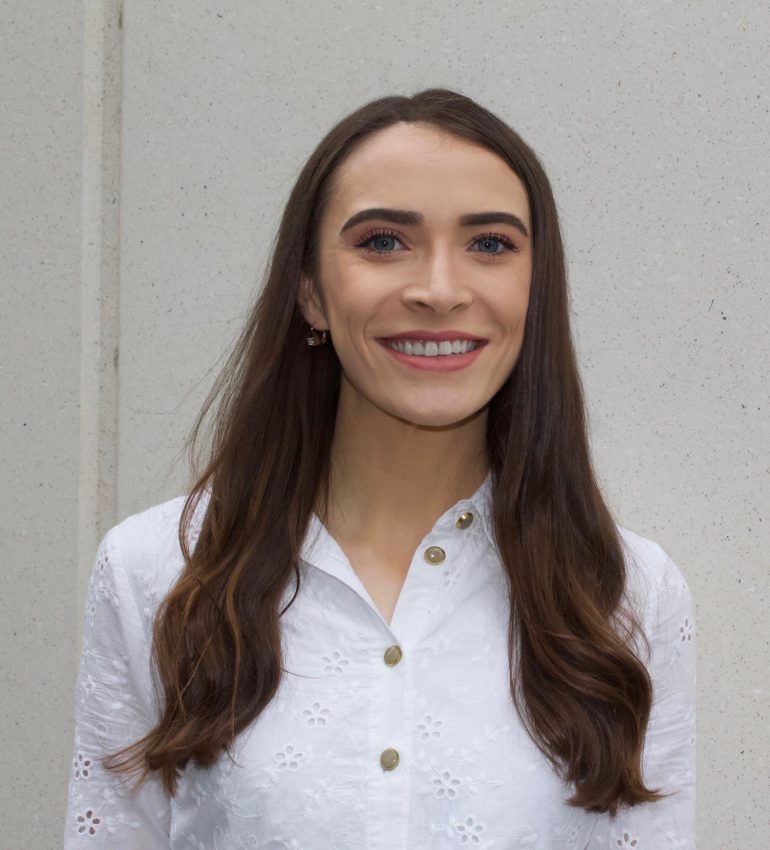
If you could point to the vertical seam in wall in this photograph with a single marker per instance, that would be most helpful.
(99, 279)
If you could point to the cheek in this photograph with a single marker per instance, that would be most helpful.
(355, 300)
(509, 308)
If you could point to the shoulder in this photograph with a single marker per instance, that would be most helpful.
(146, 545)
(652, 577)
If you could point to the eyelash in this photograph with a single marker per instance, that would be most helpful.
(374, 234)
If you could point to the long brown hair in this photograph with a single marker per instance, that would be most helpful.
(580, 689)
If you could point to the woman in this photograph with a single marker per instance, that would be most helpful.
(394, 610)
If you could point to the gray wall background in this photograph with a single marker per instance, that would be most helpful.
(147, 150)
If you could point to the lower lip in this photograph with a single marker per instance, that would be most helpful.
(439, 363)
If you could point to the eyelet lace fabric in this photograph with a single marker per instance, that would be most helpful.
(307, 774)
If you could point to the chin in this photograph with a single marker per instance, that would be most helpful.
(437, 418)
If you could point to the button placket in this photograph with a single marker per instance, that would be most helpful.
(389, 722)
(389, 757)
(393, 710)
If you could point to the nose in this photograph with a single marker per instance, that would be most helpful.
(438, 284)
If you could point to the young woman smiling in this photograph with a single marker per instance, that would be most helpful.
(394, 610)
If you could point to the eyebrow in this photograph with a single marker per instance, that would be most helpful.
(409, 217)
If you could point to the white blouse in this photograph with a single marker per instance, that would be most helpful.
(397, 736)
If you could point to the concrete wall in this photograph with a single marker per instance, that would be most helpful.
(146, 152)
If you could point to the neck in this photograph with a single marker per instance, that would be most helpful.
(388, 473)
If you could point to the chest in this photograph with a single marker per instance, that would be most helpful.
(322, 753)
(383, 576)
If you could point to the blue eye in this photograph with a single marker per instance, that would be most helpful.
(491, 238)
(383, 237)
(383, 240)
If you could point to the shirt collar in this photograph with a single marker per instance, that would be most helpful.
(481, 502)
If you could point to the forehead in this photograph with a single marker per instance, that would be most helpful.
(420, 167)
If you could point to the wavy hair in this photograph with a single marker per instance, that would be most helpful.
(580, 688)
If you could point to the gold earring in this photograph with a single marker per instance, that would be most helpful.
(316, 337)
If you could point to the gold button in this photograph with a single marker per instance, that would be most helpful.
(392, 655)
(389, 759)
(464, 520)
(434, 554)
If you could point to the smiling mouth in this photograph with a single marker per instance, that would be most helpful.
(431, 348)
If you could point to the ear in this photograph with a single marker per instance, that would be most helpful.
(310, 305)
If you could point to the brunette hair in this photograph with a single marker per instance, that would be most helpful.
(580, 689)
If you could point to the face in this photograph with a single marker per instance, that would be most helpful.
(425, 240)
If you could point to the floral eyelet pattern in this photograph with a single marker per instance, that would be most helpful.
(289, 758)
(469, 831)
(446, 786)
(316, 715)
(82, 766)
(429, 728)
(88, 822)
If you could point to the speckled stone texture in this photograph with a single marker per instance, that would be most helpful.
(652, 121)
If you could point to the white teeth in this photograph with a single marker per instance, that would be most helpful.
(421, 348)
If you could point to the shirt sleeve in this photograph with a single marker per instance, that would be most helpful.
(669, 749)
(114, 707)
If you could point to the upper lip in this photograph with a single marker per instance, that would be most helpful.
(435, 337)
